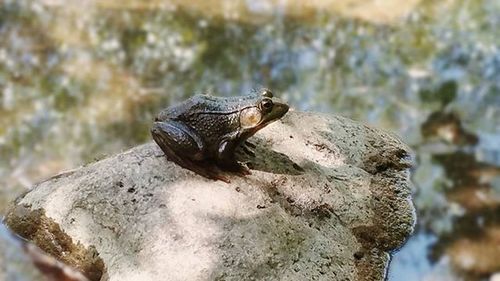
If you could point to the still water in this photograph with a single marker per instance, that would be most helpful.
(80, 80)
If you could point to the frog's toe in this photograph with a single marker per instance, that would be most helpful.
(235, 167)
(214, 173)
(221, 178)
(248, 151)
(249, 144)
(242, 170)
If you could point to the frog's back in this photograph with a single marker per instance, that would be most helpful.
(212, 104)
(210, 117)
(204, 104)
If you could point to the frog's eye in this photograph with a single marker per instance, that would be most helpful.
(266, 104)
(266, 93)
(250, 117)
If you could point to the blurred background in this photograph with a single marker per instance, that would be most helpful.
(80, 80)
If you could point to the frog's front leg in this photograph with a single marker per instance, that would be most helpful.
(226, 156)
(182, 145)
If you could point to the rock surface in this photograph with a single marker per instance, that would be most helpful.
(328, 199)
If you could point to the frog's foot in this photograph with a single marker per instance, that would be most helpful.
(243, 170)
(212, 172)
(237, 168)
(208, 171)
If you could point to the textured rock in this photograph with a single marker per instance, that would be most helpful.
(328, 199)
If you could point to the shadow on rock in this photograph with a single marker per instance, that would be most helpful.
(269, 160)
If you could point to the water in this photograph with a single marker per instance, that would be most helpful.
(82, 80)
(14, 262)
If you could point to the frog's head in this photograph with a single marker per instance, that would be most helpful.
(264, 111)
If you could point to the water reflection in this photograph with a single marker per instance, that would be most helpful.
(80, 80)
(464, 244)
(474, 244)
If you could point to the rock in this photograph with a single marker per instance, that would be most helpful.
(329, 199)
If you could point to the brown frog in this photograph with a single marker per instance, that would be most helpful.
(202, 133)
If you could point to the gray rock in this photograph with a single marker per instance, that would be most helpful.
(329, 199)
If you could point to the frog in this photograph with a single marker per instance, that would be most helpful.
(202, 133)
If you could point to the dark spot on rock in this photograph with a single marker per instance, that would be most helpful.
(291, 136)
(323, 211)
(382, 167)
(162, 206)
(370, 235)
(131, 190)
(401, 153)
(134, 200)
(320, 147)
(119, 184)
(261, 207)
(359, 255)
(238, 189)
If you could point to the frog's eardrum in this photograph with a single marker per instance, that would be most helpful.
(250, 117)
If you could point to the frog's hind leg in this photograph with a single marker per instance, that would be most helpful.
(183, 147)
(226, 160)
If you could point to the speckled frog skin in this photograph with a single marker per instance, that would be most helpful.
(202, 133)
